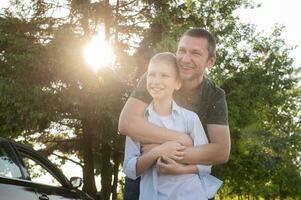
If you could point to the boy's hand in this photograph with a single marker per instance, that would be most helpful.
(172, 149)
(166, 165)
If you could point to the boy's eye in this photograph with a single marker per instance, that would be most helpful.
(180, 51)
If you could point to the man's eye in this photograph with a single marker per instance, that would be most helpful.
(197, 54)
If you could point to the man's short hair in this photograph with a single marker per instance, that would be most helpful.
(202, 33)
(165, 57)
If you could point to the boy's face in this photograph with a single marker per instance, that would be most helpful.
(162, 80)
(192, 57)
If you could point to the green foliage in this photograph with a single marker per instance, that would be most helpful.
(24, 74)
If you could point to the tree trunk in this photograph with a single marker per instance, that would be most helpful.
(88, 169)
(117, 160)
(106, 171)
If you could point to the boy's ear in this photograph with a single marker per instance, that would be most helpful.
(178, 84)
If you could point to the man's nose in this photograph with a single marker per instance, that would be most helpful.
(186, 58)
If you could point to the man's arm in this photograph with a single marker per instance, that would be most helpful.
(217, 152)
(132, 123)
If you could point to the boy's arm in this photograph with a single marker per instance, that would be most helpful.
(167, 165)
(146, 160)
(131, 155)
(171, 148)
(132, 123)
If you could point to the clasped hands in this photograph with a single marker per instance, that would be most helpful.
(170, 154)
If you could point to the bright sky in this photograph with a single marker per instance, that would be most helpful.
(285, 13)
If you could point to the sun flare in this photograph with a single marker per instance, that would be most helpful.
(98, 53)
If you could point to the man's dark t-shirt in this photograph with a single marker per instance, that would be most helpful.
(208, 101)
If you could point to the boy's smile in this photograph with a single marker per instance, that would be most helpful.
(162, 80)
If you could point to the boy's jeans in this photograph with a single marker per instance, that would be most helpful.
(131, 189)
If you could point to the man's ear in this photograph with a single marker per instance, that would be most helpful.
(211, 62)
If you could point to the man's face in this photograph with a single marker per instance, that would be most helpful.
(192, 57)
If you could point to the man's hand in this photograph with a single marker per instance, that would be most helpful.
(172, 149)
(147, 147)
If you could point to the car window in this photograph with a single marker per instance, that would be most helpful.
(38, 173)
(8, 167)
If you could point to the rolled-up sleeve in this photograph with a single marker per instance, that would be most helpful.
(132, 153)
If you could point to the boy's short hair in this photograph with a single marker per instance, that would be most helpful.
(165, 57)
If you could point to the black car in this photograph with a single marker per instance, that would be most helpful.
(25, 174)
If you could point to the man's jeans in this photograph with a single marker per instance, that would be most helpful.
(131, 189)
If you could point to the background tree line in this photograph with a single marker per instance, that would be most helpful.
(50, 96)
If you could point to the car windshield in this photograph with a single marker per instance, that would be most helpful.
(38, 172)
(8, 168)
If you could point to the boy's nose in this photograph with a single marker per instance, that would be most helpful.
(156, 79)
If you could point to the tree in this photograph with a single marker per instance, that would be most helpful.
(45, 85)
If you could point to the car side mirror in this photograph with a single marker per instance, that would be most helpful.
(76, 182)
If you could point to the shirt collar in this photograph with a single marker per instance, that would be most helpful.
(175, 108)
(150, 109)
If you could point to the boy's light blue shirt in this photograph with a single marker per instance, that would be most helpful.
(183, 121)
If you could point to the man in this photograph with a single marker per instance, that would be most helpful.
(195, 54)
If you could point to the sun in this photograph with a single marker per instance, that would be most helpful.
(98, 53)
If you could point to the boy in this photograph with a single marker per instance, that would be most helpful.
(183, 183)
